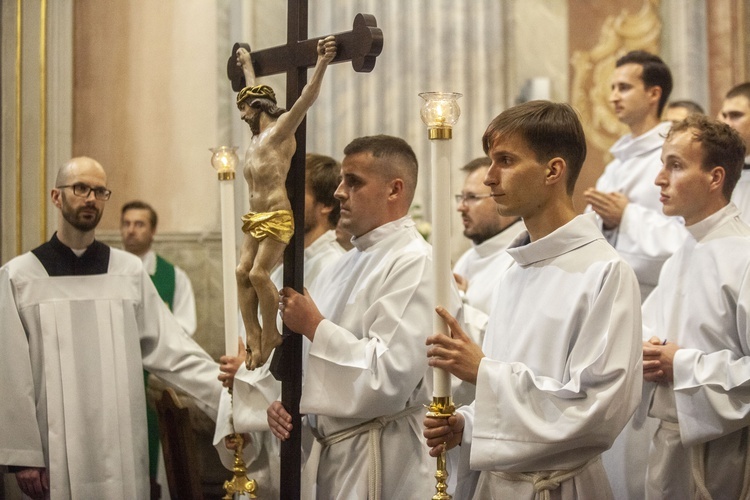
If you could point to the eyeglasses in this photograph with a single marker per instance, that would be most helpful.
(470, 199)
(82, 190)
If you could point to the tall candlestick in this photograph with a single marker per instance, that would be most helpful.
(440, 112)
(224, 160)
(440, 153)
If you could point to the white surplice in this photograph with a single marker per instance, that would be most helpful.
(645, 237)
(702, 304)
(563, 368)
(479, 266)
(255, 390)
(73, 350)
(369, 359)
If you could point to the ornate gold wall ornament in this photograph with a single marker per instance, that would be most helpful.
(592, 70)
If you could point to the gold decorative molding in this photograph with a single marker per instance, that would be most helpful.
(18, 135)
(43, 122)
(592, 70)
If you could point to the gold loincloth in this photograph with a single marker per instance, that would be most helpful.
(279, 225)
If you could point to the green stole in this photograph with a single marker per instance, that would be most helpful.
(164, 281)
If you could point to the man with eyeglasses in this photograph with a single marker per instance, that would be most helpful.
(490, 233)
(80, 322)
(477, 271)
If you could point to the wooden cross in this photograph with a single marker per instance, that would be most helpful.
(361, 46)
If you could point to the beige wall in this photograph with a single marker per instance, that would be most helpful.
(145, 95)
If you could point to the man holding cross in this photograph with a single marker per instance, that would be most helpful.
(268, 226)
(367, 320)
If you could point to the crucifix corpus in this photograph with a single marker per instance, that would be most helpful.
(361, 46)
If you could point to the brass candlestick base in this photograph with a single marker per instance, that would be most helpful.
(239, 483)
(441, 407)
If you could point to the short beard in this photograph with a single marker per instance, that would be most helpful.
(479, 238)
(254, 123)
(74, 220)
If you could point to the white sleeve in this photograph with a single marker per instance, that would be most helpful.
(712, 390)
(20, 438)
(645, 239)
(377, 374)
(183, 305)
(170, 354)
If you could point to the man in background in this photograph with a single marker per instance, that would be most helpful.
(489, 232)
(138, 222)
(625, 197)
(477, 271)
(676, 111)
(735, 112)
(627, 202)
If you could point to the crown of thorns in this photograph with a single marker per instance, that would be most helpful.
(258, 91)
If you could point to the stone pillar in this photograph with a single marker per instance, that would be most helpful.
(727, 48)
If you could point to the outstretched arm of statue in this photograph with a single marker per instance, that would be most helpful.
(288, 122)
(245, 62)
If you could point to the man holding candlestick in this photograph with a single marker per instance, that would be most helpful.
(81, 321)
(254, 390)
(367, 319)
(559, 372)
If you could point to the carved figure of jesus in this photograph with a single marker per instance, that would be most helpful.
(269, 225)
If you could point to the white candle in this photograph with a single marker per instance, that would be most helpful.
(440, 153)
(229, 263)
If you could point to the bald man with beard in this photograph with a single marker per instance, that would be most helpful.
(81, 321)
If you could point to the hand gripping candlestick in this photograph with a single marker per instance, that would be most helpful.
(440, 112)
(224, 160)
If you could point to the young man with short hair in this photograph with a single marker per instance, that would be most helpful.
(627, 203)
(624, 198)
(697, 355)
(559, 372)
(138, 221)
(366, 377)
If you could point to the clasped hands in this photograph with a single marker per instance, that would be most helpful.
(658, 360)
(608, 206)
